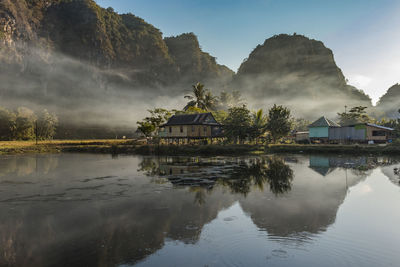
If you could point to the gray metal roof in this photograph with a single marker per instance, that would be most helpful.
(380, 127)
(324, 122)
(192, 119)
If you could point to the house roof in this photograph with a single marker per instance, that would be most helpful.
(380, 127)
(324, 122)
(371, 125)
(192, 119)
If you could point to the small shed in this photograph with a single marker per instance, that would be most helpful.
(301, 137)
(319, 129)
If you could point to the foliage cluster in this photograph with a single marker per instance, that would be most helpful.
(24, 124)
(239, 123)
(354, 115)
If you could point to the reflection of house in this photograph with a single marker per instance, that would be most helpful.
(186, 175)
(324, 164)
(321, 165)
(191, 126)
(319, 130)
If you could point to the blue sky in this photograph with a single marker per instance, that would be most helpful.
(363, 34)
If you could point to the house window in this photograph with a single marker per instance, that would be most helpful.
(378, 133)
(170, 129)
(181, 129)
(193, 129)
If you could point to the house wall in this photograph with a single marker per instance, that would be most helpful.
(319, 132)
(347, 133)
(301, 136)
(176, 131)
(370, 136)
(190, 131)
(198, 131)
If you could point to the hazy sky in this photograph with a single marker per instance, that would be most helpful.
(363, 34)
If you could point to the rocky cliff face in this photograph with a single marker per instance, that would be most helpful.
(193, 63)
(75, 55)
(82, 30)
(299, 71)
(81, 60)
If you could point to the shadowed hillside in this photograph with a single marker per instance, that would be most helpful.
(294, 70)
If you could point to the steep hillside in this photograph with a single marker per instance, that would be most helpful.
(88, 62)
(389, 103)
(194, 64)
(299, 72)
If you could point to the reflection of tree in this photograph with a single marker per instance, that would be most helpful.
(257, 172)
(200, 194)
(280, 176)
(240, 179)
(150, 167)
(28, 165)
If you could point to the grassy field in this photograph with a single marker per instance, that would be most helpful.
(16, 147)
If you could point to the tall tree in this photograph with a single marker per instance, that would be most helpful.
(25, 124)
(279, 122)
(259, 124)
(146, 128)
(237, 125)
(151, 123)
(7, 124)
(196, 98)
(201, 98)
(46, 125)
(210, 101)
(355, 115)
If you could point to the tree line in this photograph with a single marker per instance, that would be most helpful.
(241, 124)
(230, 109)
(24, 124)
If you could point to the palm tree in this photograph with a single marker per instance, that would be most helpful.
(196, 99)
(259, 124)
(210, 101)
(201, 98)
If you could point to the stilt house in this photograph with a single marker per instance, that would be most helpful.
(191, 126)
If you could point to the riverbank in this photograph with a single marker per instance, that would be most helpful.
(339, 149)
(123, 147)
(136, 147)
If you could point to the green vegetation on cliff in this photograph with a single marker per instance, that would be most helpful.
(194, 64)
(299, 71)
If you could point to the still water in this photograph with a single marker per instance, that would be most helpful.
(287, 210)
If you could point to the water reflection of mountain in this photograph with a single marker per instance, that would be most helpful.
(392, 172)
(274, 200)
(92, 210)
(316, 195)
(98, 231)
(310, 206)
